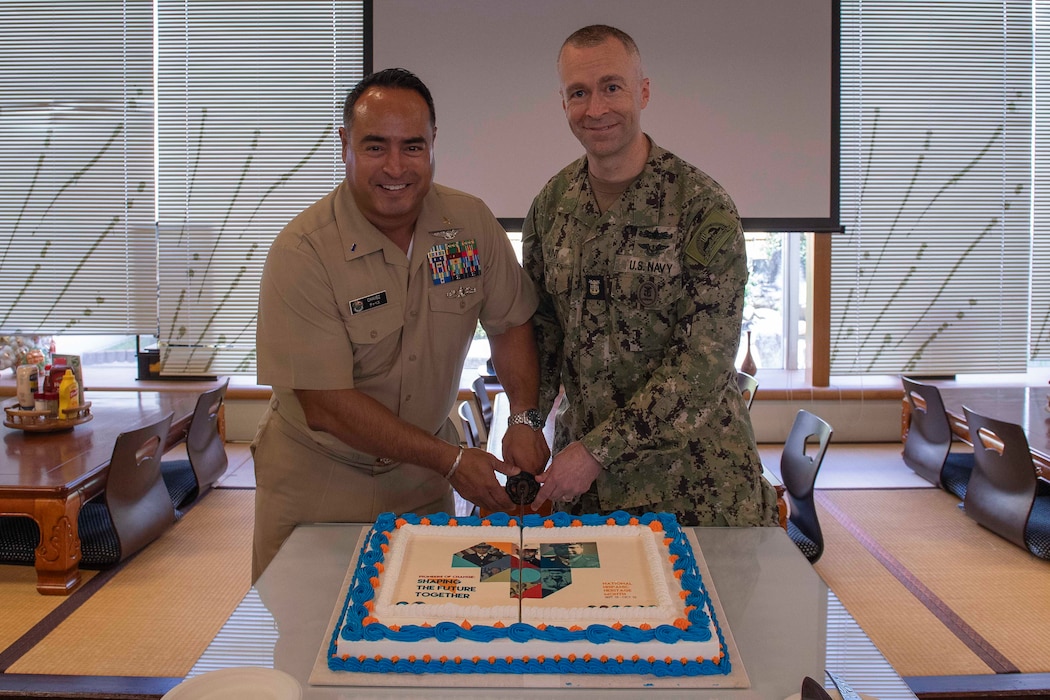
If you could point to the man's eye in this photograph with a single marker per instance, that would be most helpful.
(614, 88)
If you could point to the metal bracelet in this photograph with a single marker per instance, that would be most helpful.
(455, 465)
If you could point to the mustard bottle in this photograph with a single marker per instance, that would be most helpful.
(68, 395)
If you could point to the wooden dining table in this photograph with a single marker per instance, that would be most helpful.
(1027, 406)
(49, 475)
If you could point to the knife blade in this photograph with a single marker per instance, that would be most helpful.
(845, 689)
(812, 690)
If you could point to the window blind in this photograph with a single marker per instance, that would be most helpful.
(249, 103)
(1040, 313)
(933, 273)
(77, 252)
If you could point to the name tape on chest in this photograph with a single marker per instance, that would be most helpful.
(365, 303)
(454, 261)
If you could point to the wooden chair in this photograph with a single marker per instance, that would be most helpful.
(481, 395)
(132, 511)
(1005, 494)
(748, 386)
(206, 462)
(470, 424)
(798, 471)
(927, 449)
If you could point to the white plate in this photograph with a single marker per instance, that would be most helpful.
(243, 683)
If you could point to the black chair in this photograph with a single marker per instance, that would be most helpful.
(1005, 493)
(748, 386)
(927, 448)
(481, 395)
(206, 462)
(132, 511)
(470, 424)
(798, 471)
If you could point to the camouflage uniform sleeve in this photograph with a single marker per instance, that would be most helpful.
(549, 336)
(688, 384)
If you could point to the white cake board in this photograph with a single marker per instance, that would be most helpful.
(322, 675)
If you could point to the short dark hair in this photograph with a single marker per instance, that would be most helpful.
(392, 78)
(594, 34)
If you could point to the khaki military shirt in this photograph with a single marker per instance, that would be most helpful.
(341, 306)
(639, 318)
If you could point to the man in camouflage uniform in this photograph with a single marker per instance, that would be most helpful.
(640, 262)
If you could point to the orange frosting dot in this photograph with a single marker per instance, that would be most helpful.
(619, 658)
(678, 573)
(394, 659)
(379, 566)
(644, 626)
(672, 558)
(690, 608)
(576, 523)
(452, 522)
(395, 628)
(465, 624)
(385, 547)
(424, 521)
(499, 625)
(425, 624)
(587, 657)
(572, 658)
(486, 523)
(378, 657)
(684, 660)
(541, 626)
(427, 658)
(374, 581)
(618, 626)
(541, 658)
(633, 521)
(557, 658)
(610, 521)
(604, 659)
(683, 594)
(717, 659)
(457, 659)
(548, 523)
(362, 658)
(509, 659)
(443, 659)
(399, 522)
(668, 659)
(635, 657)
(492, 659)
(412, 658)
(370, 605)
(575, 628)
(525, 659)
(369, 620)
(651, 659)
(512, 523)
(681, 624)
(656, 526)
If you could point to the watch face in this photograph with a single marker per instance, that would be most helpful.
(533, 418)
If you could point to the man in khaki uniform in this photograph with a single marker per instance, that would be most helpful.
(640, 263)
(368, 304)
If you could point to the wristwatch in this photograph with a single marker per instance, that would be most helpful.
(531, 418)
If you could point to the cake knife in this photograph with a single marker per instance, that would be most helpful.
(845, 689)
(811, 690)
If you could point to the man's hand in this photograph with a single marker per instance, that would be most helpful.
(526, 448)
(571, 473)
(475, 480)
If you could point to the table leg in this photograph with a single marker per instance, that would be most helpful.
(58, 555)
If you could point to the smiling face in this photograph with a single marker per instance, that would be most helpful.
(389, 157)
(603, 95)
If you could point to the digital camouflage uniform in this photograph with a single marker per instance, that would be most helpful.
(639, 319)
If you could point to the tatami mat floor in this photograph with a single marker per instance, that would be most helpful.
(846, 466)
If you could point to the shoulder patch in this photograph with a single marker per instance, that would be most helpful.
(713, 232)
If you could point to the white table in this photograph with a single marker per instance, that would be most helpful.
(785, 622)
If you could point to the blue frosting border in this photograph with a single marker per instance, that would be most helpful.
(351, 626)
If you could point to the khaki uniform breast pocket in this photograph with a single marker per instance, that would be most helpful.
(375, 336)
(458, 300)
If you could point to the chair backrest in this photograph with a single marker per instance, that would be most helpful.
(929, 435)
(481, 395)
(204, 443)
(470, 424)
(748, 386)
(135, 494)
(798, 470)
(1003, 484)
